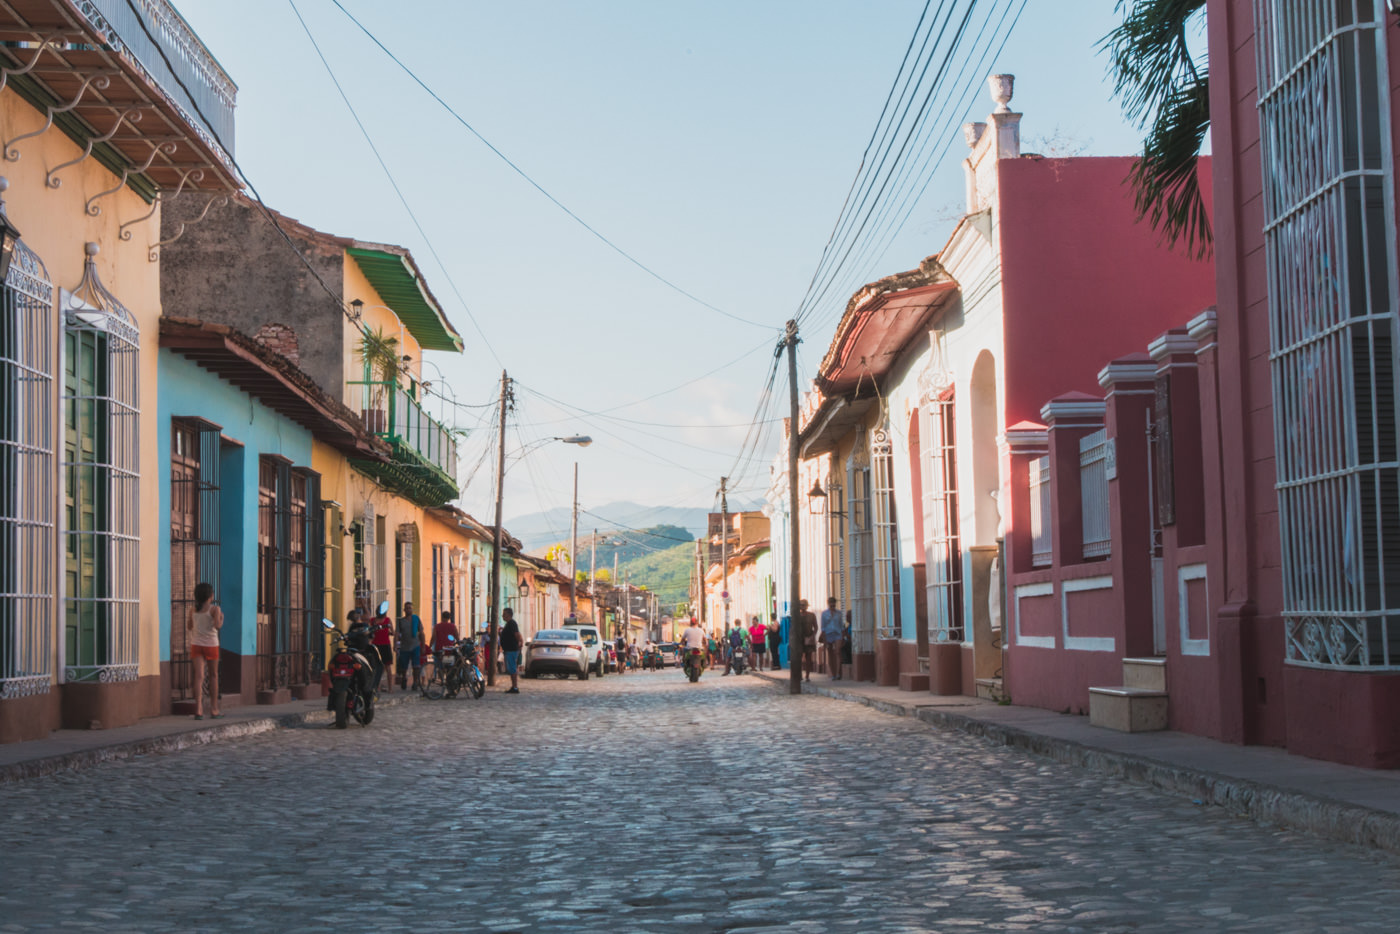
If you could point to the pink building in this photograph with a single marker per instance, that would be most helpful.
(1214, 544)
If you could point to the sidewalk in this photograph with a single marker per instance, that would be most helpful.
(1265, 784)
(77, 749)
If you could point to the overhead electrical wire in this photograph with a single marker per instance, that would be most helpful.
(393, 183)
(536, 185)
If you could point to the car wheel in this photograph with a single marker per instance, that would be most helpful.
(602, 669)
(583, 674)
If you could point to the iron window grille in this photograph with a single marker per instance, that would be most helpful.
(289, 574)
(862, 557)
(836, 542)
(194, 534)
(1042, 548)
(1093, 495)
(884, 535)
(102, 546)
(27, 582)
(1329, 235)
(943, 540)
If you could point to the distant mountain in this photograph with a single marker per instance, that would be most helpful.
(542, 529)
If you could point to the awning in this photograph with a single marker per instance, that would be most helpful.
(398, 283)
(837, 418)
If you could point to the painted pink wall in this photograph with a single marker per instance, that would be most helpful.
(1076, 262)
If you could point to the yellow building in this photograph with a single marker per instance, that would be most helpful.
(98, 136)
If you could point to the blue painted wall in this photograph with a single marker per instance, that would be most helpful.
(183, 390)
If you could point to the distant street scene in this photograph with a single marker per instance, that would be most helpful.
(644, 803)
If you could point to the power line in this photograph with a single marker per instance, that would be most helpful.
(394, 183)
(537, 186)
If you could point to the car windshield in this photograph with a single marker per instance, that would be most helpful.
(667, 646)
(556, 635)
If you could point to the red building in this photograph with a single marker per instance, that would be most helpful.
(1251, 479)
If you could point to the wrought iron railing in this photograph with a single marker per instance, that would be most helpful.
(419, 440)
(210, 90)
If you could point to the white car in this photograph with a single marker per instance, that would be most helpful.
(593, 643)
(558, 652)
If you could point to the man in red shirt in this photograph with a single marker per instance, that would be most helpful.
(381, 629)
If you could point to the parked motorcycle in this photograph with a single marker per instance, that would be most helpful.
(354, 670)
(464, 674)
(694, 664)
(738, 661)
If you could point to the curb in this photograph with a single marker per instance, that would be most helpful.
(1257, 801)
(171, 742)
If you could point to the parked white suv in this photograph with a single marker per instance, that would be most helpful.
(593, 644)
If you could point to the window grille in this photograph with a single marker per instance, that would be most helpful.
(332, 574)
(289, 574)
(440, 574)
(862, 558)
(1093, 494)
(1041, 548)
(1330, 247)
(836, 542)
(885, 535)
(27, 581)
(102, 547)
(194, 535)
(943, 543)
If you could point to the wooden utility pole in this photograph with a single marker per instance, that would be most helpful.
(795, 552)
(494, 601)
(593, 580)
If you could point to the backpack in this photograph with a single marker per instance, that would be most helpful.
(736, 638)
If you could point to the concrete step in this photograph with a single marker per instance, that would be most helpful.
(990, 689)
(1147, 673)
(1128, 709)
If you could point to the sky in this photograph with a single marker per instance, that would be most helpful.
(708, 145)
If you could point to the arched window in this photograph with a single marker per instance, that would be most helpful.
(27, 582)
(101, 444)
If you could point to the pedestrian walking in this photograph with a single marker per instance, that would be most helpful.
(202, 623)
(410, 654)
(382, 639)
(510, 644)
(832, 636)
(775, 643)
(758, 638)
(808, 621)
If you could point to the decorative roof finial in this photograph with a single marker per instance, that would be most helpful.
(1001, 87)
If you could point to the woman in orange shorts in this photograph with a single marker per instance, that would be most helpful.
(203, 622)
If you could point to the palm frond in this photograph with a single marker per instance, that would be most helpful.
(1164, 90)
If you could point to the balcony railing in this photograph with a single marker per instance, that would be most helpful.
(210, 89)
(423, 448)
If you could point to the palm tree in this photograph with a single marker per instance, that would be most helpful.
(1166, 91)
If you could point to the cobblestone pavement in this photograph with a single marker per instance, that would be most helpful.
(644, 803)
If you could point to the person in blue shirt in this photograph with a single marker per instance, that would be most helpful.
(833, 628)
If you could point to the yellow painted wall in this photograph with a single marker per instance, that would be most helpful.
(54, 223)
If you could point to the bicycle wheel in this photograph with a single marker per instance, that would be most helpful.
(436, 686)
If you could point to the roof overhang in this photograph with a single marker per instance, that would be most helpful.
(272, 380)
(97, 75)
(838, 417)
(395, 277)
(880, 322)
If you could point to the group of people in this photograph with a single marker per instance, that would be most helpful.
(760, 645)
(401, 644)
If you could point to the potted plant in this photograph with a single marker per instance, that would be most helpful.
(380, 354)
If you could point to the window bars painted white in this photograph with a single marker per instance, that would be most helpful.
(885, 535)
(1330, 245)
(1042, 551)
(942, 540)
(1093, 494)
(862, 552)
(27, 580)
(102, 546)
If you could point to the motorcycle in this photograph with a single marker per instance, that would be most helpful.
(354, 670)
(454, 669)
(738, 660)
(694, 664)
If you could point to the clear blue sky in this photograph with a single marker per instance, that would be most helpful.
(713, 141)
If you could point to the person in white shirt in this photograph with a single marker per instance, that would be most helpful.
(693, 637)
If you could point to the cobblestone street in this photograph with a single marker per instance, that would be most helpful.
(643, 803)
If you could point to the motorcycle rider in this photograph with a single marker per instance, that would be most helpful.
(693, 637)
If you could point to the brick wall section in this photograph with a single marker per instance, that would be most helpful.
(279, 338)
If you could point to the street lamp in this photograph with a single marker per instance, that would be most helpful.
(9, 235)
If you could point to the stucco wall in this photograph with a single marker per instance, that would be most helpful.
(186, 389)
